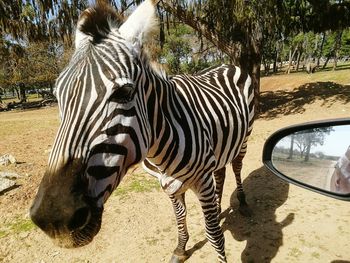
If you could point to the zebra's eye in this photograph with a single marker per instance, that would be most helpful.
(123, 94)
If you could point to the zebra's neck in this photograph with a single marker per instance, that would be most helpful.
(164, 120)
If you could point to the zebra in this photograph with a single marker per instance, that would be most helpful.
(117, 110)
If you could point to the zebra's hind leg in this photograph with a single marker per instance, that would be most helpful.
(205, 191)
(237, 167)
(219, 176)
(179, 205)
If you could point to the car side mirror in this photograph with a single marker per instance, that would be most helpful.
(315, 156)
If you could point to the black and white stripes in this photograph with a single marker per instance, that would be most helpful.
(117, 111)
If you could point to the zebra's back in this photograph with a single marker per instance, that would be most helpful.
(221, 102)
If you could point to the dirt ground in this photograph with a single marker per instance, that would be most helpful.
(289, 224)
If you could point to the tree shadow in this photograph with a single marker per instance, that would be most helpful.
(286, 102)
(265, 193)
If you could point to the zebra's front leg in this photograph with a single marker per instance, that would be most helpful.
(179, 205)
(205, 191)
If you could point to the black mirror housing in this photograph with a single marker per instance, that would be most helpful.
(309, 174)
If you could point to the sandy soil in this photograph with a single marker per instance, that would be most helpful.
(289, 223)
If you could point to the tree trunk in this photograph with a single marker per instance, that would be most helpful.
(266, 67)
(22, 93)
(275, 61)
(326, 62)
(277, 55)
(308, 63)
(315, 48)
(51, 88)
(307, 153)
(17, 93)
(291, 56)
(298, 59)
(250, 59)
(251, 63)
(337, 46)
(291, 148)
(321, 49)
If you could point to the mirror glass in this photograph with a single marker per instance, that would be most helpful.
(318, 157)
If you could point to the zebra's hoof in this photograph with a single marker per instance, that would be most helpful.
(245, 211)
(178, 258)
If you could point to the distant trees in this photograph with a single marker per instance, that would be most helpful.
(304, 140)
(35, 65)
(34, 38)
(246, 31)
(305, 33)
(181, 53)
(308, 51)
(33, 20)
(177, 48)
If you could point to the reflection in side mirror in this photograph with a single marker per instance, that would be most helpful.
(315, 156)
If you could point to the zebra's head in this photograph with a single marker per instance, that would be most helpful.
(103, 128)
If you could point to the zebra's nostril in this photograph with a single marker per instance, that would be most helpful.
(80, 218)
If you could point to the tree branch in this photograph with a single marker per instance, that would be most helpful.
(200, 26)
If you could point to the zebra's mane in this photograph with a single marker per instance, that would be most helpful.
(98, 21)
(152, 65)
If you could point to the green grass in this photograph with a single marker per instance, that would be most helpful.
(151, 241)
(293, 80)
(18, 226)
(26, 122)
(316, 255)
(300, 161)
(137, 183)
(3, 233)
(30, 98)
(327, 74)
(295, 252)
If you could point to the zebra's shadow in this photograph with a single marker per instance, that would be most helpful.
(263, 233)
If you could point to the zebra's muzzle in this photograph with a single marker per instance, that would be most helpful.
(63, 211)
(80, 234)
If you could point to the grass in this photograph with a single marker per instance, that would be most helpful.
(296, 79)
(152, 241)
(18, 226)
(27, 121)
(316, 255)
(137, 183)
(295, 252)
(300, 161)
(30, 98)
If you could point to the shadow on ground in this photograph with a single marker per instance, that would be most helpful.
(265, 193)
(285, 102)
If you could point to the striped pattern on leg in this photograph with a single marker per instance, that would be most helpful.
(179, 206)
(219, 176)
(205, 190)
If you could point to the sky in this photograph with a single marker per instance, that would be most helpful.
(335, 144)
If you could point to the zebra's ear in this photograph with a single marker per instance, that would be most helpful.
(140, 23)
